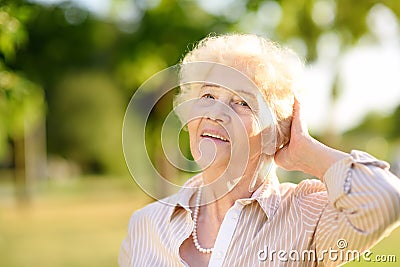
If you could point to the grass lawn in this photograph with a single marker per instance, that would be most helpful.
(82, 223)
(76, 223)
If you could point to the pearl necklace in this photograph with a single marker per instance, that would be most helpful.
(194, 233)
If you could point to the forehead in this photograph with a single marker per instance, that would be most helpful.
(232, 79)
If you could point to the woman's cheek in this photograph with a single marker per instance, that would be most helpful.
(194, 148)
(251, 125)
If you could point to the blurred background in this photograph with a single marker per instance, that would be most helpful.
(69, 68)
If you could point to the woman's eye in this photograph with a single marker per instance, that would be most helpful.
(243, 103)
(209, 96)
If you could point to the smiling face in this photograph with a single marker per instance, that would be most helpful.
(224, 123)
(277, 72)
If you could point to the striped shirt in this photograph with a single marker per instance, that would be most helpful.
(313, 223)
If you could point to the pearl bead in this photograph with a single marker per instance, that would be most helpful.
(194, 233)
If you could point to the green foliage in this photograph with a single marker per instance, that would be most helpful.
(86, 121)
(12, 31)
(394, 130)
(90, 70)
(21, 101)
(375, 133)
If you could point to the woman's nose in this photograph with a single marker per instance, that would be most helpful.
(219, 112)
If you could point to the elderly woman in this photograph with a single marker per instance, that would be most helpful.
(236, 213)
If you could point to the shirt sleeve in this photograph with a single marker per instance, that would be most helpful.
(126, 249)
(363, 207)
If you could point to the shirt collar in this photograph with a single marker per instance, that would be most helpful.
(268, 196)
(182, 198)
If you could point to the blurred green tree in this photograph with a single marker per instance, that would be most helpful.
(375, 133)
(88, 112)
(22, 105)
(90, 66)
(21, 100)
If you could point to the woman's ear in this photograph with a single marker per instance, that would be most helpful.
(283, 132)
(273, 137)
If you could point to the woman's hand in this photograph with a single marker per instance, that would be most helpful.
(303, 152)
(289, 156)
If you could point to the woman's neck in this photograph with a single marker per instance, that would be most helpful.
(220, 195)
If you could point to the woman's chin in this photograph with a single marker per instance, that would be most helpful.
(213, 162)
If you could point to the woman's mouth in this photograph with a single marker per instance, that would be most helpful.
(214, 136)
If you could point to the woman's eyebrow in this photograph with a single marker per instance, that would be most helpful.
(239, 92)
(209, 85)
(249, 95)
